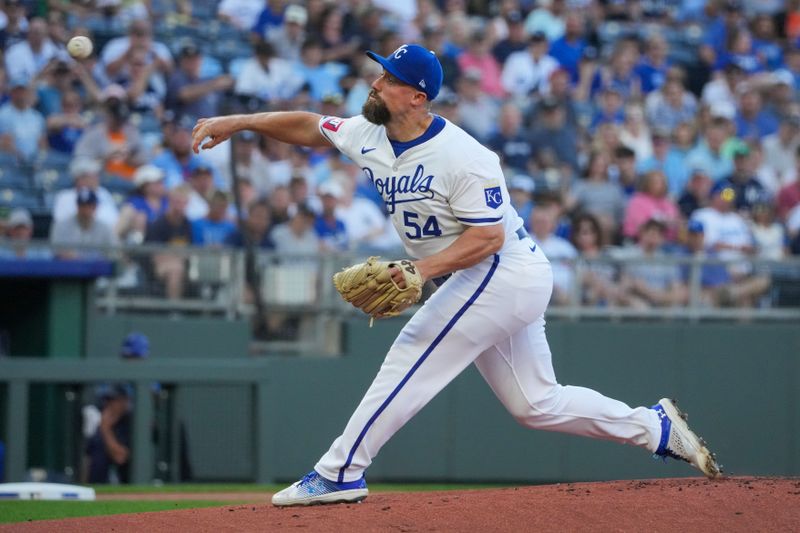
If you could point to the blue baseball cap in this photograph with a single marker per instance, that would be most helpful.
(414, 65)
(135, 345)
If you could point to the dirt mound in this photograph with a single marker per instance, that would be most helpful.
(693, 504)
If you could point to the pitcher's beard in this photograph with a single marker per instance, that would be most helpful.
(376, 111)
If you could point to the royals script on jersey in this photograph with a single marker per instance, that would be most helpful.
(433, 190)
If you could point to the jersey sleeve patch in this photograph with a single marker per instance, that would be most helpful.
(493, 196)
(333, 124)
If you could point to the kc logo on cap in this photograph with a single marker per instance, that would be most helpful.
(414, 65)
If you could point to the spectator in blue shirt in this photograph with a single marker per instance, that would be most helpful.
(329, 228)
(765, 42)
(652, 68)
(716, 33)
(22, 128)
(178, 161)
(322, 78)
(753, 122)
(568, 50)
(214, 228)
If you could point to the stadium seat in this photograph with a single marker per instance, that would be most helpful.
(16, 198)
(15, 178)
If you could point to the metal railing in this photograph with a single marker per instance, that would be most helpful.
(213, 283)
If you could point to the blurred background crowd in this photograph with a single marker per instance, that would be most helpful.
(649, 129)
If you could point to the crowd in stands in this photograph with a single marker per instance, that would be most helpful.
(638, 129)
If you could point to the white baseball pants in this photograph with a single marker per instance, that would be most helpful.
(490, 314)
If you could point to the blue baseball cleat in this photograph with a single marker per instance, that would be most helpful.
(314, 489)
(680, 442)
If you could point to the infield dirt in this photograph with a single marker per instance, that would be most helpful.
(687, 504)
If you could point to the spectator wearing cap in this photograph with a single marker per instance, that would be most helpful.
(269, 78)
(172, 229)
(568, 50)
(26, 59)
(671, 104)
(188, 92)
(748, 190)
(22, 128)
(646, 279)
(19, 231)
(726, 231)
(789, 195)
(330, 228)
(520, 191)
(651, 202)
(510, 142)
(177, 160)
(322, 77)
(714, 276)
(201, 182)
(708, 153)
(82, 229)
(515, 41)
(654, 64)
(696, 192)
(753, 122)
(478, 56)
(144, 206)
(478, 111)
(116, 54)
(548, 17)
(551, 131)
(115, 141)
(528, 71)
(287, 39)
(213, 229)
(86, 175)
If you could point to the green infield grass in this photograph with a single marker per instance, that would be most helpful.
(26, 511)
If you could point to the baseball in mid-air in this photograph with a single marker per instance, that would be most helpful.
(79, 47)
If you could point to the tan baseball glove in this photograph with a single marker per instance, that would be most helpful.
(370, 287)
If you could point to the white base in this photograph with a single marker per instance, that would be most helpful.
(45, 491)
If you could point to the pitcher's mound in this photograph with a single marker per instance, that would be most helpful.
(690, 504)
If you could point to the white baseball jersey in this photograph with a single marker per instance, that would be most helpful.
(433, 190)
(491, 313)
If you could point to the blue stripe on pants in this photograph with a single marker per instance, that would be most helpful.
(419, 362)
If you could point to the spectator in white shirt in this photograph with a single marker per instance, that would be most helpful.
(86, 173)
(241, 14)
(779, 152)
(27, 58)
(529, 70)
(288, 38)
(116, 53)
(268, 78)
(561, 253)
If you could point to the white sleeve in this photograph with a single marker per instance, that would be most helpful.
(341, 132)
(793, 220)
(478, 196)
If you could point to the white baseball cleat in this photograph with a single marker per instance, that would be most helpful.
(314, 489)
(680, 442)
